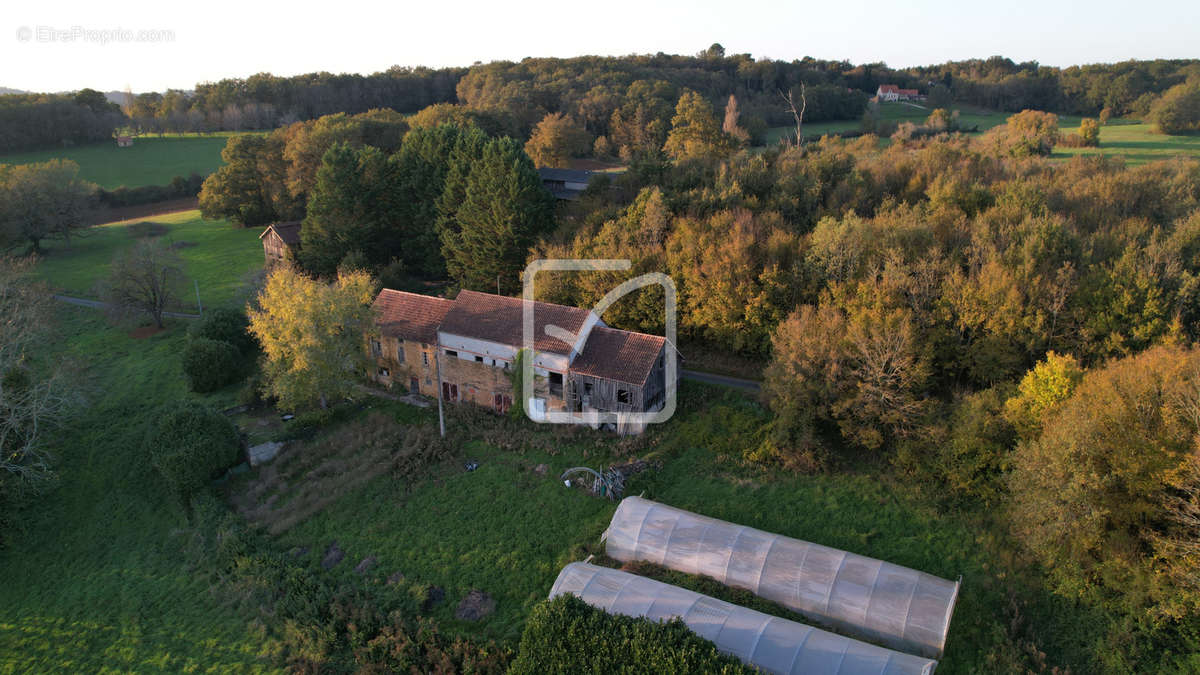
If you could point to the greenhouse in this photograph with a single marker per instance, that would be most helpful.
(770, 643)
(892, 605)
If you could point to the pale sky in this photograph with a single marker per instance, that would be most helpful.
(53, 46)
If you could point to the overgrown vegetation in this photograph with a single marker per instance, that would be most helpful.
(566, 635)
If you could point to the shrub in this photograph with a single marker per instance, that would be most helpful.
(973, 461)
(566, 635)
(1049, 383)
(210, 364)
(189, 445)
(1029, 132)
(226, 325)
(1092, 496)
(1178, 110)
(1089, 132)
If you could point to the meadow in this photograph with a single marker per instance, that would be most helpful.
(152, 160)
(1135, 141)
(100, 577)
(96, 577)
(216, 255)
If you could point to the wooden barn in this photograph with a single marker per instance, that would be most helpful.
(281, 242)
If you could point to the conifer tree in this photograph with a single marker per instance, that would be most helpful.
(504, 210)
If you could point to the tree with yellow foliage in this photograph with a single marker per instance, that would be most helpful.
(312, 335)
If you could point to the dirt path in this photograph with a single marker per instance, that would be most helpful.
(96, 304)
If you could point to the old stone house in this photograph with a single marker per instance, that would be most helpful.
(281, 242)
(474, 340)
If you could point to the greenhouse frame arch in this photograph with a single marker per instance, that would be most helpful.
(770, 643)
(892, 605)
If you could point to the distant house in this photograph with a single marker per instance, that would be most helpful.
(565, 184)
(891, 92)
(124, 141)
(477, 337)
(281, 242)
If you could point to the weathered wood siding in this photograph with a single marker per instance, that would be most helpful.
(275, 250)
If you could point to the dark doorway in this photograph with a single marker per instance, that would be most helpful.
(414, 386)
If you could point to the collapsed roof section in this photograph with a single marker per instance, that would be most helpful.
(770, 643)
(892, 605)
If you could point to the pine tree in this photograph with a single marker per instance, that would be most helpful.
(352, 210)
(467, 151)
(504, 210)
(422, 165)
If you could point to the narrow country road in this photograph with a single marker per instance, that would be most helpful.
(723, 380)
(96, 304)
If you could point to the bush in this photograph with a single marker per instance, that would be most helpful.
(1089, 132)
(1051, 382)
(566, 635)
(190, 445)
(1028, 133)
(973, 461)
(1178, 110)
(1092, 495)
(226, 325)
(178, 188)
(210, 364)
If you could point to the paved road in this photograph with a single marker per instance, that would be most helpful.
(723, 380)
(96, 304)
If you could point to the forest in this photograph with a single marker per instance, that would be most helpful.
(622, 99)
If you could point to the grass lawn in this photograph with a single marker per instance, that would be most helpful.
(1130, 139)
(1137, 143)
(96, 579)
(216, 254)
(150, 161)
(508, 531)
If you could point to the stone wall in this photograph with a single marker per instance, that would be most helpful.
(417, 362)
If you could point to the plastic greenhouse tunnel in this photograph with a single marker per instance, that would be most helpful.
(894, 606)
(767, 642)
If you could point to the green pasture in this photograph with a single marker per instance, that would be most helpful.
(152, 160)
(216, 255)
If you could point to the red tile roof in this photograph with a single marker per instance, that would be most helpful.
(497, 318)
(619, 355)
(889, 89)
(410, 316)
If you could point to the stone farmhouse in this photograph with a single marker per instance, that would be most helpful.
(474, 339)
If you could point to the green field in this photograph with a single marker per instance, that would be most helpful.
(1134, 141)
(216, 255)
(150, 161)
(1137, 143)
(96, 579)
(100, 575)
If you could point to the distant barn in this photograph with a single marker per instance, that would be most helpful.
(565, 184)
(281, 242)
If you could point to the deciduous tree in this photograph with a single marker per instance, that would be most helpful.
(312, 335)
(42, 201)
(146, 278)
(555, 140)
(695, 133)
